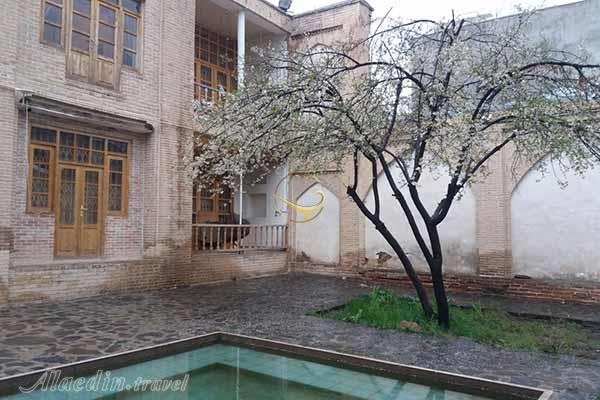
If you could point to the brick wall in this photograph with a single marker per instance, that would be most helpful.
(9, 18)
(333, 25)
(577, 292)
(69, 280)
(218, 267)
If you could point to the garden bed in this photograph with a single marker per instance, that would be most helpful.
(385, 310)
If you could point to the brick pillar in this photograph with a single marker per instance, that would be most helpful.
(170, 214)
(4, 263)
(9, 20)
(8, 130)
(493, 220)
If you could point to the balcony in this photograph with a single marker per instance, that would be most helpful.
(237, 238)
(216, 215)
(225, 33)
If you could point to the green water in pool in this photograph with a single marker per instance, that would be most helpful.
(222, 372)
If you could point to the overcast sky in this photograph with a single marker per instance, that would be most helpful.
(434, 9)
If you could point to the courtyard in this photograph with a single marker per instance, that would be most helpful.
(40, 335)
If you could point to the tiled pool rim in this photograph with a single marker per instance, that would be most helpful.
(456, 382)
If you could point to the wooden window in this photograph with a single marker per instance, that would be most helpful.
(41, 178)
(81, 25)
(53, 148)
(213, 205)
(52, 28)
(107, 31)
(117, 185)
(216, 63)
(102, 36)
(130, 40)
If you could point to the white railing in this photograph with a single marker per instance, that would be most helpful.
(235, 238)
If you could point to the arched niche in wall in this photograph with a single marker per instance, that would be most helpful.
(319, 239)
(457, 231)
(556, 230)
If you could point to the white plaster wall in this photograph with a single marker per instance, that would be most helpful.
(268, 188)
(319, 239)
(556, 231)
(457, 232)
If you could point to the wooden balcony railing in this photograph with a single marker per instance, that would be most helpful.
(234, 238)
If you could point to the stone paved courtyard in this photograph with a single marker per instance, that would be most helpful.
(41, 335)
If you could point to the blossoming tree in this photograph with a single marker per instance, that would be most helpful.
(430, 95)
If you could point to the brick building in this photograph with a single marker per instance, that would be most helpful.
(95, 119)
(95, 123)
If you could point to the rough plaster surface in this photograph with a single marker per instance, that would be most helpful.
(555, 231)
(319, 239)
(457, 232)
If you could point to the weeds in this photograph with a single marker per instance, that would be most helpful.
(383, 309)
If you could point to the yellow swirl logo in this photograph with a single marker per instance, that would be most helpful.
(305, 213)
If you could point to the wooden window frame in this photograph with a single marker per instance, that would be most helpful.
(115, 26)
(92, 17)
(63, 27)
(124, 183)
(55, 162)
(229, 70)
(51, 178)
(67, 30)
(138, 42)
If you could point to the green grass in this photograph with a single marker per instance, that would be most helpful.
(383, 309)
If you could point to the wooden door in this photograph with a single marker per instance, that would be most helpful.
(79, 218)
(90, 238)
(207, 211)
(67, 217)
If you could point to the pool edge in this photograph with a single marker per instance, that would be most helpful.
(9, 385)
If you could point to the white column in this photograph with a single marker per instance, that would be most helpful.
(241, 52)
(241, 47)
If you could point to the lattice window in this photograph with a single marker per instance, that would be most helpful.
(117, 185)
(52, 148)
(41, 178)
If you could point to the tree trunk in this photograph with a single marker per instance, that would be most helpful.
(437, 277)
(408, 267)
(439, 290)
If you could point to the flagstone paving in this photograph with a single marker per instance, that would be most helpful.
(36, 336)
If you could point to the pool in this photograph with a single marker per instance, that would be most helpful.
(222, 366)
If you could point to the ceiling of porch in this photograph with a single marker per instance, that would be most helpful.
(221, 16)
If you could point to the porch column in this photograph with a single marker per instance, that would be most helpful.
(241, 47)
(241, 51)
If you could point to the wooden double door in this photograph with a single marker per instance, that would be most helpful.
(79, 215)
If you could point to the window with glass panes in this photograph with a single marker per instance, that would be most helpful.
(96, 27)
(51, 149)
(216, 63)
(53, 21)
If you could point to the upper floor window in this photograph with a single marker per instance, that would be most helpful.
(216, 63)
(99, 36)
(52, 12)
